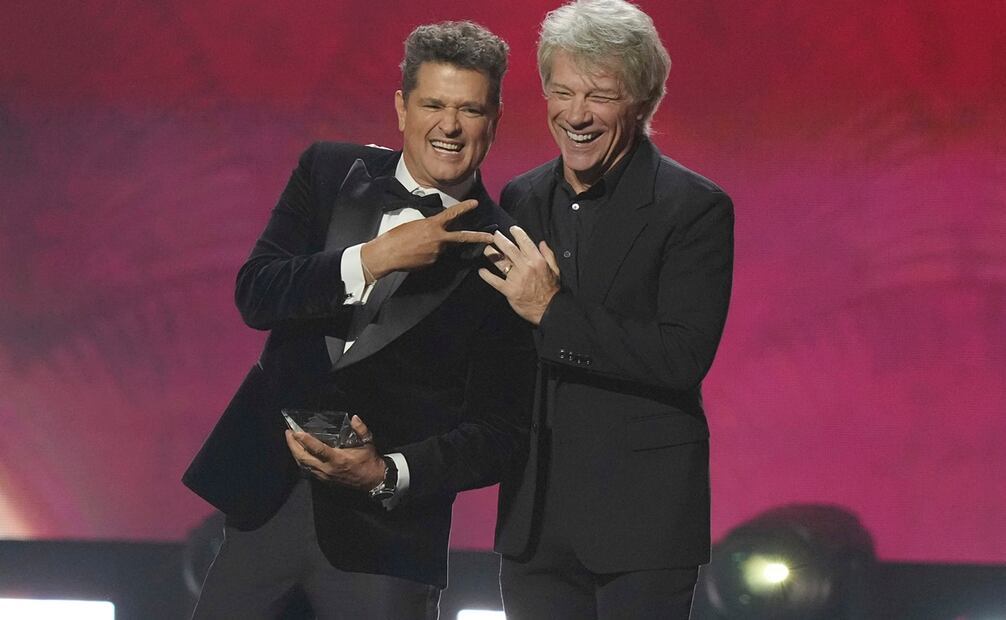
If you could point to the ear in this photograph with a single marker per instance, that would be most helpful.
(642, 111)
(400, 109)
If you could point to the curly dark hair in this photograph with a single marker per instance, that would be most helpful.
(463, 44)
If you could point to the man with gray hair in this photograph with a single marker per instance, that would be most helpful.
(365, 278)
(628, 288)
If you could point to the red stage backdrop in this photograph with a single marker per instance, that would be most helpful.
(143, 145)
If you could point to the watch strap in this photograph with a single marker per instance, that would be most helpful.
(385, 489)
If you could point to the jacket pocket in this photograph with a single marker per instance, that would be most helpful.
(664, 430)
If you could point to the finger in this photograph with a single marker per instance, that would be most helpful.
(361, 434)
(300, 455)
(506, 246)
(314, 446)
(549, 255)
(492, 279)
(497, 260)
(523, 241)
(358, 425)
(293, 444)
(454, 211)
(468, 236)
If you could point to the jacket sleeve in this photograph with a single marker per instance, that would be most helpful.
(674, 347)
(289, 275)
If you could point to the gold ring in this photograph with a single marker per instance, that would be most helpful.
(507, 270)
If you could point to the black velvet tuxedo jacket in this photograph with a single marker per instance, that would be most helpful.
(621, 366)
(444, 374)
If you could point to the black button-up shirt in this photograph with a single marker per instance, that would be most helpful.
(574, 216)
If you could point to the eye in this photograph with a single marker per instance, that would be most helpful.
(602, 99)
(561, 95)
(472, 112)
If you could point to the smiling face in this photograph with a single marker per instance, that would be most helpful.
(592, 119)
(448, 122)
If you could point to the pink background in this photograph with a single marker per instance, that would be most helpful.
(143, 145)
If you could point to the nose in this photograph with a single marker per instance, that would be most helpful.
(578, 113)
(450, 123)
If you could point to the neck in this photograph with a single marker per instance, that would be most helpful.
(457, 191)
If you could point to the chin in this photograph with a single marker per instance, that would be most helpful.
(580, 165)
(452, 177)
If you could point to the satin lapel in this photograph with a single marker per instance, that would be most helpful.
(354, 220)
(409, 300)
(620, 224)
(413, 299)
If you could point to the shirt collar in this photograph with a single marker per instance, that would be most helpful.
(603, 187)
(404, 177)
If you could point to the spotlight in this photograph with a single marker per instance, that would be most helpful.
(799, 562)
(52, 609)
(764, 573)
(480, 614)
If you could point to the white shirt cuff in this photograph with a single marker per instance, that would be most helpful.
(353, 280)
(403, 480)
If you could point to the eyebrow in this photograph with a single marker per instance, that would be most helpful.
(594, 91)
(463, 104)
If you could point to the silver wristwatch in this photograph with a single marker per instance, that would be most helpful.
(385, 489)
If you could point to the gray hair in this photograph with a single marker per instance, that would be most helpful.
(612, 35)
(463, 44)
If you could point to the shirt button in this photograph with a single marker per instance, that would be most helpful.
(566, 254)
(576, 206)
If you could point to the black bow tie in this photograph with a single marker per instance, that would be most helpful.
(428, 205)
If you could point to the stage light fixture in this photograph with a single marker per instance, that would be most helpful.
(799, 562)
(480, 614)
(55, 609)
(764, 573)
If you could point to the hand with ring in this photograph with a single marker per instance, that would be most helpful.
(530, 273)
(498, 260)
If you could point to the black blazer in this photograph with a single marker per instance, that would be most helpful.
(622, 361)
(443, 374)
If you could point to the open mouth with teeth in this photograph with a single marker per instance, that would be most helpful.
(446, 147)
(581, 138)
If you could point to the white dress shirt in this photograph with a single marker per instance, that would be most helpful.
(358, 291)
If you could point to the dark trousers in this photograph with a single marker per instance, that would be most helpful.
(555, 585)
(257, 574)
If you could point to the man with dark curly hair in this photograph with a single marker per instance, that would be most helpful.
(366, 277)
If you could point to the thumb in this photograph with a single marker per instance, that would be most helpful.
(549, 257)
(358, 426)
